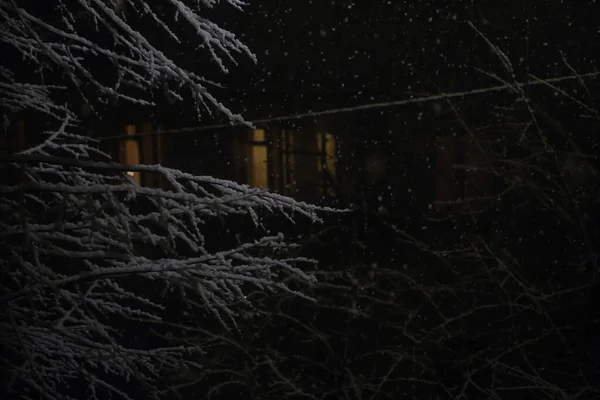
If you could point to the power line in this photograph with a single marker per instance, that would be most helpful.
(417, 100)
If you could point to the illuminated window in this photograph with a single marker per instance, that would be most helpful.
(300, 165)
(327, 158)
(143, 149)
(326, 146)
(258, 173)
(130, 153)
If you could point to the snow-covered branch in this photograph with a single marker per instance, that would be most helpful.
(90, 261)
(64, 45)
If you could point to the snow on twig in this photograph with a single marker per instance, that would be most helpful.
(86, 255)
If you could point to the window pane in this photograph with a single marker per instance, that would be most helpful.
(327, 157)
(257, 160)
(132, 153)
(258, 135)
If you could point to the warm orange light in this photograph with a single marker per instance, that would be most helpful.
(257, 168)
(328, 151)
(132, 153)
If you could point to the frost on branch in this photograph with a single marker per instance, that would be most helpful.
(111, 51)
(97, 271)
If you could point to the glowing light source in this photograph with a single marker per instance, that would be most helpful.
(132, 153)
(258, 174)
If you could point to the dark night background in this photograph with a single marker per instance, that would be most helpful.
(315, 56)
(319, 55)
(490, 300)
